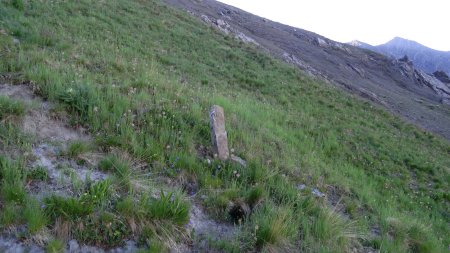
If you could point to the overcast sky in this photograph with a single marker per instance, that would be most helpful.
(374, 22)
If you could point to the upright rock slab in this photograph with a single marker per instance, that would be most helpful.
(218, 133)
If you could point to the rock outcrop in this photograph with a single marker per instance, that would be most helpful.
(442, 76)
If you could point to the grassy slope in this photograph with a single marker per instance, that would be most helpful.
(109, 60)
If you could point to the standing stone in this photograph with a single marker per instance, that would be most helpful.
(218, 133)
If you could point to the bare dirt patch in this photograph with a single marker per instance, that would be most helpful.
(204, 228)
(51, 138)
(62, 172)
(38, 121)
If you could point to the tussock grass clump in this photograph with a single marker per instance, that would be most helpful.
(330, 228)
(10, 215)
(69, 209)
(77, 148)
(34, 216)
(55, 246)
(16, 207)
(170, 207)
(12, 138)
(127, 171)
(155, 220)
(12, 179)
(273, 229)
(407, 236)
(103, 229)
(13, 192)
(128, 208)
(255, 196)
(121, 168)
(10, 107)
(38, 173)
(78, 99)
(99, 193)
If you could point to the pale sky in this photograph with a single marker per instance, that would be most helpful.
(373, 22)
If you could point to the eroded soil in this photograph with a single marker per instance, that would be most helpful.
(51, 135)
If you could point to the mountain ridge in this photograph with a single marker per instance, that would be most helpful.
(428, 59)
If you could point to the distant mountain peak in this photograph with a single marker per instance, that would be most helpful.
(400, 39)
(423, 57)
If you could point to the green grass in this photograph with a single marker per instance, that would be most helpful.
(12, 139)
(70, 209)
(55, 246)
(11, 185)
(39, 173)
(121, 168)
(16, 206)
(34, 216)
(105, 229)
(168, 206)
(99, 192)
(10, 215)
(10, 107)
(273, 229)
(144, 85)
(77, 148)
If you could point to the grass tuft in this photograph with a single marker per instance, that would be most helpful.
(10, 107)
(39, 173)
(10, 215)
(34, 216)
(170, 206)
(18, 4)
(273, 228)
(55, 246)
(104, 229)
(77, 148)
(69, 209)
(12, 179)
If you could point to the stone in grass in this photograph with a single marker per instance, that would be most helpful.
(218, 132)
(317, 193)
(238, 160)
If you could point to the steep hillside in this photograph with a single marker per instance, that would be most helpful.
(367, 74)
(423, 57)
(105, 143)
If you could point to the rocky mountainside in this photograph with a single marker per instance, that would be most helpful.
(423, 57)
(397, 85)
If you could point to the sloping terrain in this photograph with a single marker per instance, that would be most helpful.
(365, 73)
(105, 143)
(425, 58)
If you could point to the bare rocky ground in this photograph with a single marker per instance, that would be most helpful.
(410, 93)
(51, 135)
